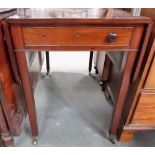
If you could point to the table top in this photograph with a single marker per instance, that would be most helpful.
(95, 15)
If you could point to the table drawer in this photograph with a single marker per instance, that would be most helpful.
(145, 110)
(150, 80)
(76, 36)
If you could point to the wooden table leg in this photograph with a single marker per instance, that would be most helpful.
(28, 93)
(116, 117)
(47, 62)
(90, 61)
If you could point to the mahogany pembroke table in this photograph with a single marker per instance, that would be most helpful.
(78, 30)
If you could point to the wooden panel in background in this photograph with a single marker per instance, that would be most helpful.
(145, 111)
(150, 80)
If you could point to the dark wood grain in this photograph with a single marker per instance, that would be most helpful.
(12, 115)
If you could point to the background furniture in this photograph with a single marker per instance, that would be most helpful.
(11, 114)
(12, 111)
(138, 111)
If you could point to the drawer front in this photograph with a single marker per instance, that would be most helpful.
(145, 110)
(150, 80)
(76, 36)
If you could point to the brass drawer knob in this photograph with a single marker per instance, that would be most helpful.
(112, 37)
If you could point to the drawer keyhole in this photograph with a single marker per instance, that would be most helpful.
(78, 34)
(43, 36)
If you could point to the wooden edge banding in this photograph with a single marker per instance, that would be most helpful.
(14, 118)
(70, 21)
(71, 48)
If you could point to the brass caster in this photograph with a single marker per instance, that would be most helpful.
(101, 83)
(112, 139)
(103, 86)
(34, 140)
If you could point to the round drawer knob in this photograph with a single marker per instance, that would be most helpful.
(112, 37)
